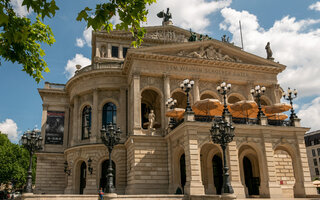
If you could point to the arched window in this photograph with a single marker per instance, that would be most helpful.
(109, 114)
(86, 123)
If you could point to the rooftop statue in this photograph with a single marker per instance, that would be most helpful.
(193, 36)
(166, 17)
(269, 52)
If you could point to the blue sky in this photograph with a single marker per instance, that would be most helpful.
(291, 26)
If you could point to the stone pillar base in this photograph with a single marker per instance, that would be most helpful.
(238, 190)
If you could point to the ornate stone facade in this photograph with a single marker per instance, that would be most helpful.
(122, 86)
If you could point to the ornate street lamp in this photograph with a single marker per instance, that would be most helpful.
(90, 169)
(223, 89)
(171, 104)
(289, 97)
(222, 132)
(31, 140)
(110, 138)
(186, 86)
(257, 92)
(66, 168)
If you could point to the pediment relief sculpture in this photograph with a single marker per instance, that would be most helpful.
(209, 53)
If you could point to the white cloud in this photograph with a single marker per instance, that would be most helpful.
(79, 59)
(186, 13)
(10, 128)
(21, 11)
(310, 114)
(86, 38)
(315, 6)
(293, 43)
(80, 42)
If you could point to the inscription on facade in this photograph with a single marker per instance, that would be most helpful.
(207, 70)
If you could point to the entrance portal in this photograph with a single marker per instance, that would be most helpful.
(217, 173)
(83, 176)
(183, 171)
(104, 173)
(251, 182)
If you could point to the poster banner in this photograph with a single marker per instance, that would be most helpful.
(54, 127)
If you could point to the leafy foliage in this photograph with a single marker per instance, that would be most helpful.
(20, 38)
(14, 162)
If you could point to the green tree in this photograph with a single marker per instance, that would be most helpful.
(14, 162)
(20, 38)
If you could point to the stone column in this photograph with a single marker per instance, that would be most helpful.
(234, 170)
(122, 116)
(136, 104)
(120, 51)
(43, 123)
(194, 184)
(250, 85)
(196, 92)
(75, 136)
(97, 50)
(109, 51)
(94, 113)
(274, 187)
(166, 88)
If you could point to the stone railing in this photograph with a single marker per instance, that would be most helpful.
(99, 66)
(57, 86)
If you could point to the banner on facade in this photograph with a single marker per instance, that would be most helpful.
(54, 127)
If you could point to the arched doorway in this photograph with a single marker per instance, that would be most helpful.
(183, 176)
(217, 173)
(104, 173)
(83, 176)
(252, 183)
(150, 100)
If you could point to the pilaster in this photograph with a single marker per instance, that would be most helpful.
(43, 122)
(274, 187)
(109, 50)
(136, 104)
(94, 124)
(234, 170)
(66, 126)
(166, 86)
(122, 109)
(194, 184)
(75, 136)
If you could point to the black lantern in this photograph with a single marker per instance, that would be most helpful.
(66, 168)
(32, 141)
(257, 92)
(289, 97)
(110, 137)
(186, 86)
(90, 169)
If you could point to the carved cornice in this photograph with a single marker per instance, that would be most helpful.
(197, 62)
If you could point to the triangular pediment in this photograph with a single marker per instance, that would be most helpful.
(208, 50)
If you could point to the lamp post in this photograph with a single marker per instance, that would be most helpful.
(222, 132)
(110, 138)
(257, 92)
(223, 89)
(289, 97)
(171, 104)
(186, 86)
(31, 140)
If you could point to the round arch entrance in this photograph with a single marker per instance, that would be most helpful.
(104, 173)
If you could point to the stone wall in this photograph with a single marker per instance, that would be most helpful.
(148, 168)
(50, 172)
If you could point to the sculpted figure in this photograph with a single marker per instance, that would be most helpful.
(103, 52)
(200, 54)
(166, 16)
(269, 52)
(211, 53)
(151, 118)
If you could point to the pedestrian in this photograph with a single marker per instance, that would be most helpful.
(101, 194)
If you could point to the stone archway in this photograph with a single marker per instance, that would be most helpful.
(82, 177)
(251, 170)
(179, 170)
(104, 172)
(211, 168)
(150, 100)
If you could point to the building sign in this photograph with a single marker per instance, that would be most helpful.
(54, 127)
